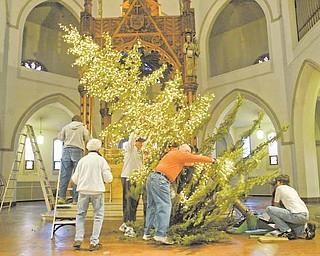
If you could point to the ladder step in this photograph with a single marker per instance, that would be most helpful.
(64, 222)
(66, 205)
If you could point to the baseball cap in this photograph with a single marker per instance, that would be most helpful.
(140, 139)
(284, 178)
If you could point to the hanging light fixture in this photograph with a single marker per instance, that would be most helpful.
(40, 138)
(260, 133)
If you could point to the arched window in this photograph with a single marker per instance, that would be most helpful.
(33, 64)
(246, 147)
(28, 155)
(57, 154)
(273, 150)
(262, 58)
(42, 39)
(238, 36)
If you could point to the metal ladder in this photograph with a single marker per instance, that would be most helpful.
(43, 177)
(63, 214)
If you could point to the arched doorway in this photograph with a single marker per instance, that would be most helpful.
(306, 129)
(249, 111)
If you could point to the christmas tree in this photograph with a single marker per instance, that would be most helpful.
(203, 195)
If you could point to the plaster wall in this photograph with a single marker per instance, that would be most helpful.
(274, 85)
(24, 91)
(279, 86)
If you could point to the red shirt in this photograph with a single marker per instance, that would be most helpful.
(172, 163)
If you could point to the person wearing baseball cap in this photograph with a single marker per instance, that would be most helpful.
(292, 218)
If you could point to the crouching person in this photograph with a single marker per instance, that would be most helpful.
(292, 220)
(91, 173)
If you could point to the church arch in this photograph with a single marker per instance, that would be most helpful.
(304, 106)
(58, 100)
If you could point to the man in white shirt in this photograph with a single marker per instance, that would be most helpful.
(291, 220)
(91, 174)
(133, 159)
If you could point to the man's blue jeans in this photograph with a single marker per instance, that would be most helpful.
(69, 161)
(98, 207)
(286, 220)
(158, 204)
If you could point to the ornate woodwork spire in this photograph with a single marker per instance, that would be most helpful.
(152, 5)
(88, 6)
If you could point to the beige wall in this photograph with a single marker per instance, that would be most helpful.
(275, 87)
(238, 48)
(282, 87)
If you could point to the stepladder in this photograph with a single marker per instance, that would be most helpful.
(63, 214)
(11, 186)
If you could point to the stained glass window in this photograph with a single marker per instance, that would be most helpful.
(28, 155)
(33, 64)
(262, 58)
(273, 150)
(246, 147)
(57, 154)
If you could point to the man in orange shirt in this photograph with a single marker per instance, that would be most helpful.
(158, 190)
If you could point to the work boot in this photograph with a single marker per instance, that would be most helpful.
(288, 234)
(311, 231)
(77, 244)
(95, 247)
(61, 201)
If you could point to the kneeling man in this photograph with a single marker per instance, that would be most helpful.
(291, 220)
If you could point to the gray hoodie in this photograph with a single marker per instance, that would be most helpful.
(74, 134)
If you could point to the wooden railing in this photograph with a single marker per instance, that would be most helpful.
(307, 15)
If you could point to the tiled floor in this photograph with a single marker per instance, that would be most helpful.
(23, 232)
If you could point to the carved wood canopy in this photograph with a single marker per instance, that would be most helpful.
(165, 39)
(141, 20)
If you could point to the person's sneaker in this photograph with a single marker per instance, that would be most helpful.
(163, 240)
(311, 231)
(123, 227)
(130, 232)
(61, 201)
(290, 235)
(95, 247)
(147, 237)
(77, 244)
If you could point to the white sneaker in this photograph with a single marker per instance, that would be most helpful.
(123, 227)
(163, 240)
(147, 237)
(130, 232)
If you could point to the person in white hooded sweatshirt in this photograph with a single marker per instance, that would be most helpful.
(74, 135)
(91, 174)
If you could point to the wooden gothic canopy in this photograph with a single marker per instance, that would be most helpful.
(170, 36)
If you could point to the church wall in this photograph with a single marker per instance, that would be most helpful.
(275, 82)
(3, 18)
(24, 91)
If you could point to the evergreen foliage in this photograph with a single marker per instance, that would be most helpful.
(204, 192)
